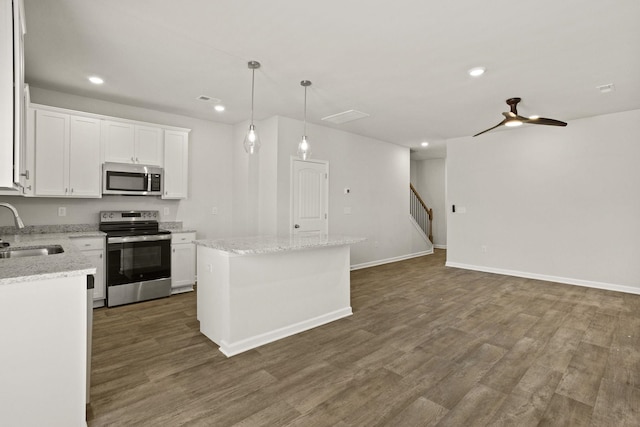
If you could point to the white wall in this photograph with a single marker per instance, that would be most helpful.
(557, 203)
(428, 178)
(377, 174)
(209, 174)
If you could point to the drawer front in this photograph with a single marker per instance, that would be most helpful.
(88, 243)
(177, 238)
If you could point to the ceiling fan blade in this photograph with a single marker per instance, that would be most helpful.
(543, 121)
(498, 125)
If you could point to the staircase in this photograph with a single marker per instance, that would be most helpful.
(422, 215)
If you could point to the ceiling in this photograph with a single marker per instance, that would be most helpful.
(403, 62)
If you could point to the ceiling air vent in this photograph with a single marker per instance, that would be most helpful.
(206, 98)
(606, 88)
(345, 116)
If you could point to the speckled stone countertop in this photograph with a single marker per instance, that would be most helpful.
(67, 264)
(271, 244)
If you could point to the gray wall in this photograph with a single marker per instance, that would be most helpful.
(555, 203)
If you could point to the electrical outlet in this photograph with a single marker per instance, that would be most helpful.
(62, 211)
(347, 211)
(166, 211)
(214, 211)
(484, 249)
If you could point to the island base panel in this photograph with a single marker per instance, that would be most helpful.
(246, 301)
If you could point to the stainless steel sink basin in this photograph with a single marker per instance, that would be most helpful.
(30, 251)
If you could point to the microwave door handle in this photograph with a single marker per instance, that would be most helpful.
(148, 182)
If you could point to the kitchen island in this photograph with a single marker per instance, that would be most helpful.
(255, 290)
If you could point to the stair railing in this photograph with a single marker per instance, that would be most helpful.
(420, 212)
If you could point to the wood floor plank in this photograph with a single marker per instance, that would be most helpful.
(420, 413)
(564, 411)
(581, 380)
(426, 345)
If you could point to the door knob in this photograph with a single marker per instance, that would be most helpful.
(296, 226)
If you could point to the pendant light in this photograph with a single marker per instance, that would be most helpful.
(304, 149)
(252, 140)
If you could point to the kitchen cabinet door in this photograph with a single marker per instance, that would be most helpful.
(84, 157)
(51, 153)
(118, 140)
(67, 152)
(148, 145)
(176, 164)
(93, 249)
(183, 262)
(97, 259)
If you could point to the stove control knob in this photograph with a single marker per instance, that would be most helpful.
(111, 215)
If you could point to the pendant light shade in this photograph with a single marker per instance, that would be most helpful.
(251, 139)
(304, 149)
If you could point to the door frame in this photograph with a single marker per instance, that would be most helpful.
(294, 159)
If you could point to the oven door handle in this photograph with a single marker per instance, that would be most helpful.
(132, 239)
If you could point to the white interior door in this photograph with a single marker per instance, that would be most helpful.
(310, 197)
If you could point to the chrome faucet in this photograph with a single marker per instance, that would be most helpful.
(16, 217)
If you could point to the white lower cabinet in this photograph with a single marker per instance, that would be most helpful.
(183, 262)
(93, 249)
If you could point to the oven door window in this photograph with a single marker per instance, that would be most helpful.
(138, 261)
(126, 181)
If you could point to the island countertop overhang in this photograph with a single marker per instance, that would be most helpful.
(272, 244)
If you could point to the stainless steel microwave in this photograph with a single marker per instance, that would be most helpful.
(135, 180)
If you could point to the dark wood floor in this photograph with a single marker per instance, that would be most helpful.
(426, 345)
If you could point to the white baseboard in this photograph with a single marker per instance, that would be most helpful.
(231, 349)
(390, 260)
(547, 278)
(440, 246)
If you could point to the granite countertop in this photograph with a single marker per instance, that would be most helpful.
(67, 264)
(271, 244)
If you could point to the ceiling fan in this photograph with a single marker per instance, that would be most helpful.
(512, 119)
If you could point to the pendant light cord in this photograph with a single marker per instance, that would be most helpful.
(253, 73)
(305, 112)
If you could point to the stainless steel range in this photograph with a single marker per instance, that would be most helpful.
(138, 257)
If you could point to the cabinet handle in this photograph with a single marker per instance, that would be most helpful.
(87, 244)
(66, 190)
(174, 251)
(133, 161)
(137, 161)
(72, 191)
(100, 256)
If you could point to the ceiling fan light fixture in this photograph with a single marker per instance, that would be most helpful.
(425, 144)
(513, 123)
(477, 71)
(534, 117)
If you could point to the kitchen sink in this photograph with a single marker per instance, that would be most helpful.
(30, 251)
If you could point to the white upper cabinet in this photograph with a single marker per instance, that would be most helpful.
(131, 143)
(67, 155)
(118, 141)
(176, 164)
(148, 145)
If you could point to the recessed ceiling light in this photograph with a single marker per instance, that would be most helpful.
(425, 144)
(219, 108)
(477, 71)
(96, 80)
